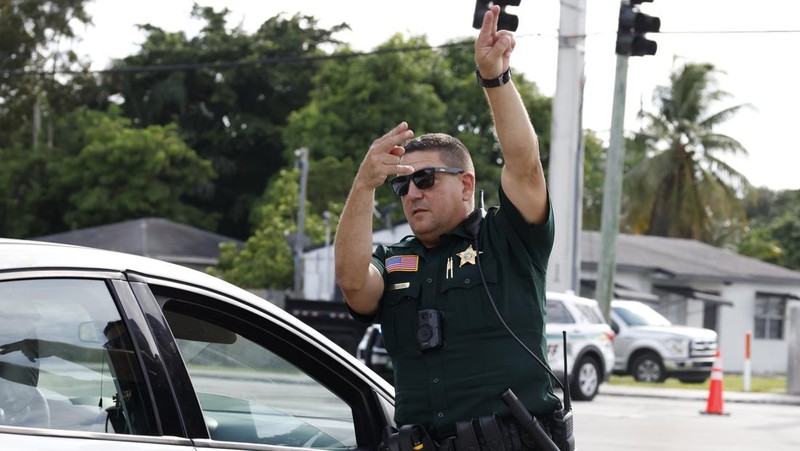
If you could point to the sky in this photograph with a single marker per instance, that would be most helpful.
(751, 42)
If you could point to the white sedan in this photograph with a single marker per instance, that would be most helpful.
(101, 350)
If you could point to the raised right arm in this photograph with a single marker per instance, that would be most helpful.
(359, 280)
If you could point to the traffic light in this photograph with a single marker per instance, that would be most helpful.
(633, 25)
(505, 21)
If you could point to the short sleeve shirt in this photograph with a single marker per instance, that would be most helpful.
(479, 359)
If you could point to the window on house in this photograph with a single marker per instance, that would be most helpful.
(770, 314)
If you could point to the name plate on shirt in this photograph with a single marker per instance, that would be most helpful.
(399, 286)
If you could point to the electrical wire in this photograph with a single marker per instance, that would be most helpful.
(337, 56)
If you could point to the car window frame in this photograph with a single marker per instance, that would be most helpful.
(308, 354)
(122, 296)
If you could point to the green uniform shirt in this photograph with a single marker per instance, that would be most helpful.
(479, 359)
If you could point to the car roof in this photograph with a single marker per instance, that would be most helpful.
(624, 303)
(27, 255)
(571, 297)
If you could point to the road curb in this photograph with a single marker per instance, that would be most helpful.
(699, 395)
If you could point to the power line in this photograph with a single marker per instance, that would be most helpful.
(339, 56)
(229, 64)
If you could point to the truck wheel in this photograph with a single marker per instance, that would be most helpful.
(585, 379)
(648, 367)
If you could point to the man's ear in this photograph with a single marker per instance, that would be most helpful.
(468, 186)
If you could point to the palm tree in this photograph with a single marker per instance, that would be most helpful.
(682, 188)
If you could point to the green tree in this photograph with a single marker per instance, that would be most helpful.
(231, 93)
(683, 188)
(774, 227)
(594, 166)
(121, 173)
(29, 200)
(266, 259)
(357, 98)
(33, 35)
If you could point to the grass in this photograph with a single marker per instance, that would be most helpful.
(732, 382)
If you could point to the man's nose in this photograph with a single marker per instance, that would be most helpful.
(413, 191)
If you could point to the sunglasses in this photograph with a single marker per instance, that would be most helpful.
(423, 179)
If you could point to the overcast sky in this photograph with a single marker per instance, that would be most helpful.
(754, 42)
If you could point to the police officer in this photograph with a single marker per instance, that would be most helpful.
(452, 356)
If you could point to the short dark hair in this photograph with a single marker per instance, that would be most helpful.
(454, 153)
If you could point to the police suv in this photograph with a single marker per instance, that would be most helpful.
(590, 350)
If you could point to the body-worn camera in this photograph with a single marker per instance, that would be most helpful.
(429, 330)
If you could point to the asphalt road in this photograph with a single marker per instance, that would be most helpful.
(623, 423)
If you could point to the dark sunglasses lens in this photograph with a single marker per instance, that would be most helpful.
(424, 180)
(400, 185)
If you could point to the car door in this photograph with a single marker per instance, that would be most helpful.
(250, 378)
(76, 372)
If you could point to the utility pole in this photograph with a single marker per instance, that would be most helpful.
(630, 41)
(565, 172)
(612, 192)
(793, 339)
(302, 155)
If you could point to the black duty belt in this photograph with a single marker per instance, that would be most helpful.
(489, 432)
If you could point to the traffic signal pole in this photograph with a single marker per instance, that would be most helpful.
(631, 41)
(612, 192)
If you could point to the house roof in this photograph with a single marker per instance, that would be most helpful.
(674, 260)
(151, 237)
(682, 259)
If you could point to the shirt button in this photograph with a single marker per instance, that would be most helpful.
(440, 414)
(430, 280)
(466, 281)
(435, 380)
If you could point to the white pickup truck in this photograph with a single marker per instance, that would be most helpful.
(649, 347)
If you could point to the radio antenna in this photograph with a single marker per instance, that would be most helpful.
(567, 394)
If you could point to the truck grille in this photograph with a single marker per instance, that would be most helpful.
(703, 348)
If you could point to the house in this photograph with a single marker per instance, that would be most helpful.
(151, 237)
(690, 282)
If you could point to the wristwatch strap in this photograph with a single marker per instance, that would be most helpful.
(493, 82)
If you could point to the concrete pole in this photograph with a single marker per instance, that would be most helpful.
(612, 191)
(565, 172)
(793, 339)
(302, 154)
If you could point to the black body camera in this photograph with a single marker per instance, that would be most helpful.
(429, 330)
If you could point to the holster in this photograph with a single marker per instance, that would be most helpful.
(485, 433)
(410, 437)
(560, 428)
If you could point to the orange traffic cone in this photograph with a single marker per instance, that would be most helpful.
(714, 404)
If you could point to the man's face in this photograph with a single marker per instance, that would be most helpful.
(436, 210)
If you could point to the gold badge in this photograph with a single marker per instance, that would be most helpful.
(468, 256)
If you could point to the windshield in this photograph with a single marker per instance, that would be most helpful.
(640, 315)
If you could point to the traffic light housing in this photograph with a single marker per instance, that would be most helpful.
(633, 25)
(506, 21)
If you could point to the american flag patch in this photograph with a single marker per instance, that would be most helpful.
(406, 263)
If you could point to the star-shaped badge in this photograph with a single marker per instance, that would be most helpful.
(468, 256)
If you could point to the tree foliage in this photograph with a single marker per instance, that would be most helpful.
(684, 188)
(773, 234)
(230, 93)
(357, 98)
(122, 173)
(238, 105)
(266, 259)
(33, 35)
